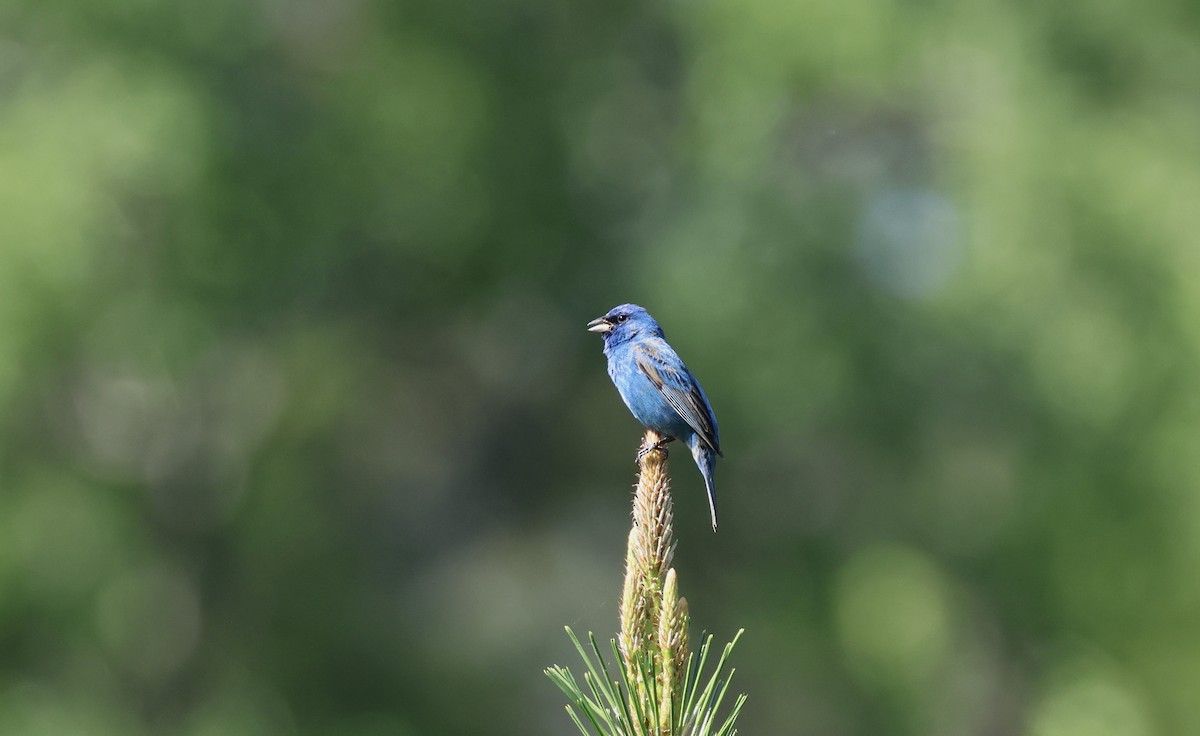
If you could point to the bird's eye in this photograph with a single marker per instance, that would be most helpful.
(622, 317)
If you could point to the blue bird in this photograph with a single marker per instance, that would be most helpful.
(658, 388)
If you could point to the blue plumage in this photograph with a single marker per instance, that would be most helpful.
(658, 388)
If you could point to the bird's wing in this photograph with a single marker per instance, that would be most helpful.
(680, 390)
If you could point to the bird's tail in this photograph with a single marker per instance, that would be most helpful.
(712, 498)
(705, 460)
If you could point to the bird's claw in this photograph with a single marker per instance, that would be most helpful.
(660, 445)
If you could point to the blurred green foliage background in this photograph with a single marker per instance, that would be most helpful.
(302, 433)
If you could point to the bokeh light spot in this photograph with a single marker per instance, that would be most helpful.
(149, 620)
(909, 241)
(893, 615)
(61, 536)
(1089, 702)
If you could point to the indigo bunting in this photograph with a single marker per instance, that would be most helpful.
(658, 388)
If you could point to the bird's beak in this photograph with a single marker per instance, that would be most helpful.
(599, 325)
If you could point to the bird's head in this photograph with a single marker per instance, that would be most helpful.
(624, 322)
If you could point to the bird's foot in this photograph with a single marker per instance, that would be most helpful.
(660, 445)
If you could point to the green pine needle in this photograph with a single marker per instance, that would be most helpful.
(611, 708)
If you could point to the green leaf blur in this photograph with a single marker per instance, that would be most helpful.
(302, 432)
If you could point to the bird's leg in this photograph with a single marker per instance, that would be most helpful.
(659, 445)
